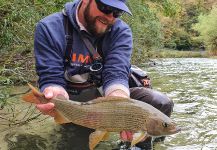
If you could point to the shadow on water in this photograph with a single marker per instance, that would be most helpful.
(22, 141)
(190, 83)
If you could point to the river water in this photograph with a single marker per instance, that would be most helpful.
(191, 83)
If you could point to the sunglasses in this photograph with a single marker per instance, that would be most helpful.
(108, 9)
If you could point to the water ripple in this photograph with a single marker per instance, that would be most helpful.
(192, 84)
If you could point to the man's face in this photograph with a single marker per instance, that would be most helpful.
(97, 23)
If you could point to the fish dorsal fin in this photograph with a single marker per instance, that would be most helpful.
(109, 99)
(35, 91)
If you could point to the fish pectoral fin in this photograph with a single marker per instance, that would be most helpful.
(35, 91)
(96, 137)
(60, 119)
(137, 137)
(106, 137)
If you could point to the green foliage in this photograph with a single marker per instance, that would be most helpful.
(170, 8)
(4, 95)
(17, 22)
(182, 40)
(146, 29)
(18, 19)
(191, 17)
(181, 36)
(207, 27)
(17, 69)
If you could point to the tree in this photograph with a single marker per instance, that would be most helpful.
(207, 28)
(146, 26)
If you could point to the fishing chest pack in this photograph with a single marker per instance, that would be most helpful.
(137, 77)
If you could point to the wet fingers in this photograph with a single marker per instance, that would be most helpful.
(46, 109)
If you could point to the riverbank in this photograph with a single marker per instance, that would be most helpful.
(17, 68)
(170, 53)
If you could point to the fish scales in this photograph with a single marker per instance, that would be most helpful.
(111, 116)
(70, 110)
(122, 117)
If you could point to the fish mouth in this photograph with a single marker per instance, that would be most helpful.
(169, 132)
(176, 130)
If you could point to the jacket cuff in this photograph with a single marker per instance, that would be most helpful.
(114, 87)
(47, 85)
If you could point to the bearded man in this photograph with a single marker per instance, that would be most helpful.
(67, 67)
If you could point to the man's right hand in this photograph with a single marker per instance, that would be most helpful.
(49, 93)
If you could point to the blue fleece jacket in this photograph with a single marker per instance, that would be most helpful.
(50, 47)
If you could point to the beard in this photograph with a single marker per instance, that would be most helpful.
(91, 23)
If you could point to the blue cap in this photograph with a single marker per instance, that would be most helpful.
(119, 4)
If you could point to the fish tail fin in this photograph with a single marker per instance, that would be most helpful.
(31, 98)
(34, 96)
(35, 91)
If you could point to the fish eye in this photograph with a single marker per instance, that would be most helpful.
(165, 124)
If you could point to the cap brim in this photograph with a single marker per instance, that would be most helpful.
(117, 4)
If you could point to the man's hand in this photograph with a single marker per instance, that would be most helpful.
(49, 93)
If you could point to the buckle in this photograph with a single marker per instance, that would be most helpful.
(95, 67)
(146, 82)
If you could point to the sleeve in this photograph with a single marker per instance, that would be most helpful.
(49, 58)
(117, 62)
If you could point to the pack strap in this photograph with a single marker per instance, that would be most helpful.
(69, 34)
(68, 37)
(94, 54)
